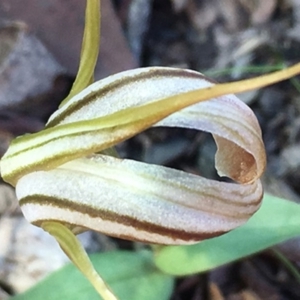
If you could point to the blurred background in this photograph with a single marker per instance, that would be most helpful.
(226, 40)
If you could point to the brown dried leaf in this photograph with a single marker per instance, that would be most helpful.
(59, 25)
(214, 292)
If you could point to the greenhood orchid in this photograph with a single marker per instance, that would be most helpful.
(68, 178)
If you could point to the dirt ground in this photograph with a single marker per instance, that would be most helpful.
(224, 39)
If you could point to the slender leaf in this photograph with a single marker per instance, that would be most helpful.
(276, 221)
(131, 275)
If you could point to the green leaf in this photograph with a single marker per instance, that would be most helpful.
(131, 275)
(276, 221)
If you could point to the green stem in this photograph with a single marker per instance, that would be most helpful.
(246, 69)
(74, 250)
(89, 50)
(290, 267)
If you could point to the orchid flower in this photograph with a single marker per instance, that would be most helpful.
(68, 179)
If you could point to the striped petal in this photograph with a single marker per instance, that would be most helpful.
(117, 108)
(58, 177)
(136, 201)
(227, 118)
